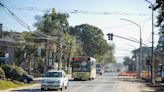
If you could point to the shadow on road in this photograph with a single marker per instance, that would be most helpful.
(34, 90)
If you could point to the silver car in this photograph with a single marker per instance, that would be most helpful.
(54, 79)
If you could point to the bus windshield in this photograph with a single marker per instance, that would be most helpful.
(81, 66)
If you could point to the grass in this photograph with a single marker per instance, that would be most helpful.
(5, 84)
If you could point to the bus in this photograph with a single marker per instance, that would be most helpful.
(83, 68)
(99, 69)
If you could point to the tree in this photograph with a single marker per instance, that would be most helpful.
(127, 60)
(27, 48)
(52, 23)
(160, 6)
(56, 25)
(93, 43)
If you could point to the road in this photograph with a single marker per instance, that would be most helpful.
(105, 83)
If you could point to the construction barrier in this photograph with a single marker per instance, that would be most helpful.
(128, 73)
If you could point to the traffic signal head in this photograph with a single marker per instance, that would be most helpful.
(110, 36)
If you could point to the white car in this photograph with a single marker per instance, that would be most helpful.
(54, 79)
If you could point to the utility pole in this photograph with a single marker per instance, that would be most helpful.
(68, 63)
(0, 30)
(46, 58)
(152, 57)
(59, 51)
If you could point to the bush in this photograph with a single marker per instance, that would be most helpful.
(2, 74)
(13, 72)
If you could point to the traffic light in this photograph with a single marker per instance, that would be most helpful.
(110, 36)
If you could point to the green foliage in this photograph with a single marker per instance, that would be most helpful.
(10, 84)
(127, 60)
(13, 72)
(160, 6)
(92, 40)
(6, 33)
(27, 36)
(53, 22)
(2, 74)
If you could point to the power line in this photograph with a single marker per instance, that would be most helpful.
(15, 17)
(84, 11)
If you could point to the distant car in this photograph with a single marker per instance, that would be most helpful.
(25, 78)
(54, 79)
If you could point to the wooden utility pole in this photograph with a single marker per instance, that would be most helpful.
(59, 52)
(0, 30)
(68, 63)
(46, 58)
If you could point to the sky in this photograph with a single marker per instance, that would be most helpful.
(134, 10)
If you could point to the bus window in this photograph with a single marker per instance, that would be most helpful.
(81, 66)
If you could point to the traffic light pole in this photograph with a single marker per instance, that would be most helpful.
(111, 38)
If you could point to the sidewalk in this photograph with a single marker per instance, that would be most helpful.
(129, 84)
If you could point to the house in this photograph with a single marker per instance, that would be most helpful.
(8, 45)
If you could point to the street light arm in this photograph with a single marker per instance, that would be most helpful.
(140, 56)
(132, 22)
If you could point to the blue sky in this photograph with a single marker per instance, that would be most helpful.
(108, 23)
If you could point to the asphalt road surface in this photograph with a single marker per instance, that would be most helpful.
(105, 83)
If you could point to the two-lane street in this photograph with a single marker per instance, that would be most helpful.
(105, 83)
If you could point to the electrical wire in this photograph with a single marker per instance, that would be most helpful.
(84, 12)
(15, 17)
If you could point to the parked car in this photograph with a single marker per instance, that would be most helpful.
(25, 78)
(54, 79)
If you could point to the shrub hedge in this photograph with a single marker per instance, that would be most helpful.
(2, 74)
(13, 72)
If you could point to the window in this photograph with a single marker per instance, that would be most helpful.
(53, 74)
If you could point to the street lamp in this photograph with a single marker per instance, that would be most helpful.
(152, 58)
(140, 55)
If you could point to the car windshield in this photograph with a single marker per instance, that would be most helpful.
(53, 74)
